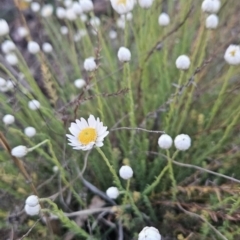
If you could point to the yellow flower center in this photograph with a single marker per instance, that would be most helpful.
(121, 2)
(87, 135)
(233, 52)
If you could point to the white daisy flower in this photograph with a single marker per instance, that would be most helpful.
(122, 6)
(87, 134)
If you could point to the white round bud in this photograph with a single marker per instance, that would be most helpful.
(124, 54)
(165, 141)
(55, 169)
(232, 55)
(61, 12)
(12, 59)
(79, 83)
(126, 172)
(32, 201)
(183, 62)
(10, 85)
(211, 6)
(30, 131)
(112, 192)
(47, 47)
(77, 8)
(121, 7)
(70, 14)
(145, 3)
(64, 30)
(86, 5)
(211, 21)
(8, 119)
(121, 23)
(33, 47)
(67, 3)
(83, 17)
(8, 46)
(182, 142)
(95, 22)
(149, 233)
(34, 104)
(4, 28)
(35, 6)
(3, 82)
(112, 34)
(22, 32)
(19, 151)
(90, 64)
(47, 10)
(129, 16)
(32, 211)
(163, 19)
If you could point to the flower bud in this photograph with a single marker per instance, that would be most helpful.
(8, 119)
(126, 172)
(163, 19)
(124, 54)
(77, 8)
(19, 151)
(61, 12)
(211, 6)
(32, 211)
(64, 30)
(33, 47)
(4, 28)
(122, 7)
(47, 47)
(34, 104)
(47, 10)
(182, 142)
(112, 192)
(112, 34)
(22, 32)
(211, 21)
(145, 3)
(86, 5)
(70, 14)
(90, 64)
(8, 46)
(232, 55)
(3, 82)
(183, 62)
(35, 6)
(12, 59)
(32, 201)
(30, 131)
(79, 83)
(55, 169)
(165, 141)
(149, 233)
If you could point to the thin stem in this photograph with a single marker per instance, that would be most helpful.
(126, 192)
(174, 184)
(115, 176)
(38, 145)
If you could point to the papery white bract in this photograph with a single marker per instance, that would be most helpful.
(79, 83)
(47, 10)
(22, 32)
(47, 47)
(34, 104)
(8, 119)
(8, 46)
(33, 47)
(4, 28)
(145, 3)
(211, 6)
(30, 131)
(19, 151)
(122, 6)
(12, 59)
(126, 172)
(112, 192)
(163, 19)
(61, 12)
(86, 5)
(32, 201)
(183, 62)
(149, 233)
(90, 64)
(165, 141)
(32, 211)
(124, 54)
(182, 142)
(87, 134)
(211, 21)
(232, 55)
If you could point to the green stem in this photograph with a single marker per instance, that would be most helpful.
(126, 192)
(174, 184)
(38, 145)
(115, 176)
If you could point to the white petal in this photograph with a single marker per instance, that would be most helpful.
(99, 144)
(102, 130)
(84, 123)
(74, 129)
(92, 121)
